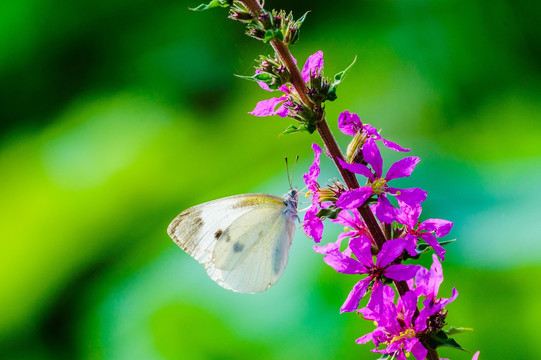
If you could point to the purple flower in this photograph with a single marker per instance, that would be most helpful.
(354, 225)
(313, 64)
(427, 284)
(428, 230)
(351, 124)
(364, 264)
(310, 178)
(398, 327)
(377, 185)
(312, 224)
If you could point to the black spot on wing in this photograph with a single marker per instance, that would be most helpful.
(218, 233)
(238, 247)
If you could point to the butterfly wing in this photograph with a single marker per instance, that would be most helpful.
(252, 253)
(242, 240)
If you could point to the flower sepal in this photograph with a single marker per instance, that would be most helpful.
(292, 36)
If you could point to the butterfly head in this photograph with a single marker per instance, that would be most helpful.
(291, 199)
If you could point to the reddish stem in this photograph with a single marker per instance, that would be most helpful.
(333, 150)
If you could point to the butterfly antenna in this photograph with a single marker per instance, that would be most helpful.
(294, 165)
(288, 174)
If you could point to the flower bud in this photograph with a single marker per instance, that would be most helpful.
(353, 152)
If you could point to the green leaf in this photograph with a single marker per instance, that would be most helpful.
(453, 330)
(273, 34)
(303, 127)
(257, 77)
(423, 247)
(331, 95)
(293, 129)
(342, 74)
(213, 4)
(329, 213)
(441, 339)
(262, 77)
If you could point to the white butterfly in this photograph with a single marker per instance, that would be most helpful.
(243, 240)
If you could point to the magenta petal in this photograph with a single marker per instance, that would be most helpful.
(411, 197)
(385, 210)
(420, 321)
(439, 226)
(408, 215)
(432, 241)
(313, 64)
(282, 111)
(312, 225)
(357, 169)
(355, 198)
(346, 218)
(436, 278)
(310, 178)
(409, 304)
(349, 123)
(402, 168)
(411, 244)
(372, 156)
(401, 272)
(327, 248)
(453, 297)
(266, 107)
(364, 339)
(390, 250)
(422, 279)
(418, 350)
(475, 356)
(369, 129)
(355, 296)
(362, 248)
(343, 264)
(393, 146)
(264, 86)
(377, 299)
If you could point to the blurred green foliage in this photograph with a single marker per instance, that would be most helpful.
(116, 115)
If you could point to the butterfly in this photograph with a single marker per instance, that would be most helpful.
(242, 241)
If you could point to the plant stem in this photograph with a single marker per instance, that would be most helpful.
(432, 354)
(333, 150)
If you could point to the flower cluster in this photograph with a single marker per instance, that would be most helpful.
(402, 326)
(382, 222)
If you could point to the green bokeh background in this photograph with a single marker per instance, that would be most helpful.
(117, 115)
